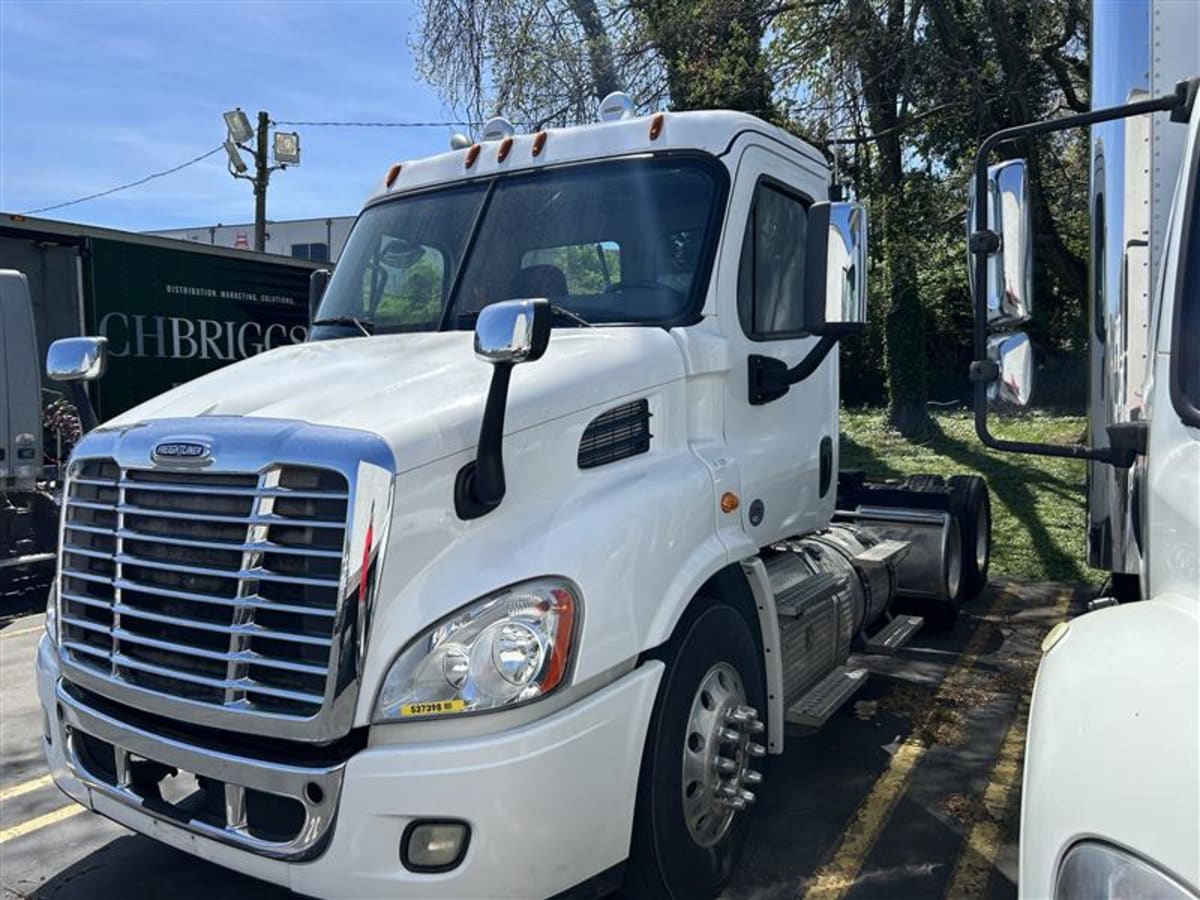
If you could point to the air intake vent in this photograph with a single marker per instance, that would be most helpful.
(621, 432)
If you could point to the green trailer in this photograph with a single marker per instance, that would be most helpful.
(172, 310)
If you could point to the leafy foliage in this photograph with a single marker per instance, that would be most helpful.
(901, 92)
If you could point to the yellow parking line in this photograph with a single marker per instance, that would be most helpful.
(36, 824)
(982, 845)
(24, 787)
(21, 631)
(837, 875)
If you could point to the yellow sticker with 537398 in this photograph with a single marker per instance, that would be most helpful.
(432, 708)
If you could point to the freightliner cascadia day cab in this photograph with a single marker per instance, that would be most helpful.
(1111, 805)
(503, 582)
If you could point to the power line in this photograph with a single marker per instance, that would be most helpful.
(122, 187)
(380, 124)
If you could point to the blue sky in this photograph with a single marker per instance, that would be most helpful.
(95, 94)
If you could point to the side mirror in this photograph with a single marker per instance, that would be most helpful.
(317, 282)
(1010, 265)
(77, 359)
(1013, 356)
(506, 333)
(835, 288)
(513, 331)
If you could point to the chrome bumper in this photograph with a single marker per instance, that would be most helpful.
(316, 790)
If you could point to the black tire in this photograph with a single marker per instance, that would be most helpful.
(664, 860)
(972, 506)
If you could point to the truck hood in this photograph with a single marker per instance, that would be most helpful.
(422, 393)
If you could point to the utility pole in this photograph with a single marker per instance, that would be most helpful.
(262, 174)
(287, 152)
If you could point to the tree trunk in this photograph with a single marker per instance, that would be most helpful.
(599, 48)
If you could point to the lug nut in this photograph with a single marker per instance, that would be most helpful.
(741, 714)
(726, 790)
(746, 796)
(756, 750)
(725, 765)
(735, 803)
(755, 726)
(729, 735)
(752, 777)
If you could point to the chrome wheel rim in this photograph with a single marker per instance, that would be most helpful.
(717, 753)
(981, 538)
(954, 554)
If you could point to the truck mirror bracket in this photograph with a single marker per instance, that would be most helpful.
(770, 378)
(1176, 103)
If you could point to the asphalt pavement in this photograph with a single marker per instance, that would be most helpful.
(911, 791)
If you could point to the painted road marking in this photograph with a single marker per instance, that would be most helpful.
(24, 787)
(837, 875)
(21, 631)
(36, 824)
(982, 845)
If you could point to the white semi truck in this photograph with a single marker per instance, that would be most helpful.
(387, 614)
(1111, 804)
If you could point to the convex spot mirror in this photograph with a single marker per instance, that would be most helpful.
(1013, 356)
(835, 288)
(77, 359)
(513, 331)
(1010, 266)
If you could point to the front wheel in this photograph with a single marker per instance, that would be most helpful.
(698, 775)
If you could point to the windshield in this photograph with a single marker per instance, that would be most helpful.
(625, 242)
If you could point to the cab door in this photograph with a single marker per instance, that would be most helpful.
(786, 448)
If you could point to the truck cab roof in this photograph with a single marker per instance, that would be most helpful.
(708, 131)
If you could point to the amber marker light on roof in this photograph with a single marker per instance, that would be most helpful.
(656, 126)
(472, 155)
(505, 147)
(539, 141)
(392, 174)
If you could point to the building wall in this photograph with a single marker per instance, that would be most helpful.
(318, 239)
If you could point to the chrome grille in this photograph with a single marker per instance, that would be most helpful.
(212, 587)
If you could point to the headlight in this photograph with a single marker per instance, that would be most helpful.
(503, 650)
(1092, 871)
(52, 612)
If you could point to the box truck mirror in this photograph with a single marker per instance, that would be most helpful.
(76, 361)
(506, 333)
(1013, 356)
(1009, 234)
(835, 289)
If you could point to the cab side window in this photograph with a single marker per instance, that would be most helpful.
(771, 272)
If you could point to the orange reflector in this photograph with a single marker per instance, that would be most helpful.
(729, 502)
(505, 146)
(656, 126)
(392, 174)
(472, 155)
(539, 141)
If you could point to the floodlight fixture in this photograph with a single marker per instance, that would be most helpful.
(238, 125)
(235, 158)
(287, 148)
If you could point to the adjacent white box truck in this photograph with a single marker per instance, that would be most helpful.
(1111, 804)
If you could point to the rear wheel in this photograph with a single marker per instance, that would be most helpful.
(971, 505)
(697, 779)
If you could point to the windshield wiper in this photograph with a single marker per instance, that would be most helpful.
(467, 318)
(366, 326)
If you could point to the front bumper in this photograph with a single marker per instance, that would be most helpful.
(549, 804)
